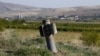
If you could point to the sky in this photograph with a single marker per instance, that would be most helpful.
(54, 3)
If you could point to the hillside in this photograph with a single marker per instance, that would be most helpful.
(9, 9)
(82, 10)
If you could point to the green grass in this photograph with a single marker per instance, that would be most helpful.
(72, 26)
(90, 38)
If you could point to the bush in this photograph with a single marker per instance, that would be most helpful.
(90, 38)
(1, 28)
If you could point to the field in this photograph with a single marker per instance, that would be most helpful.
(61, 36)
(26, 42)
(20, 38)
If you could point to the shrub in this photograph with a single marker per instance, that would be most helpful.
(90, 38)
(1, 28)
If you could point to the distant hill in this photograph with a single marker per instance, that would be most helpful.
(8, 9)
(14, 7)
(82, 10)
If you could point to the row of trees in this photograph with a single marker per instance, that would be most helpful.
(21, 24)
(78, 27)
(10, 24)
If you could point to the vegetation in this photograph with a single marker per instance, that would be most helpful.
(18, 46)
(1, 28)
(90, 38)
(79, 27)
(68, 44)
(21, 24)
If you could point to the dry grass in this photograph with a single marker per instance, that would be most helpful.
(68, 43)
(27, 33)
(69, 37)
(59, 37)
(65, 37)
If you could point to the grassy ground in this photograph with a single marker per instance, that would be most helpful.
(72, 37)
(29, 43)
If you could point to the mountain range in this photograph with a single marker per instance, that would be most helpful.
(9, 9)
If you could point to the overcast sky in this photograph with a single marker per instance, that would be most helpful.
(55, 3)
